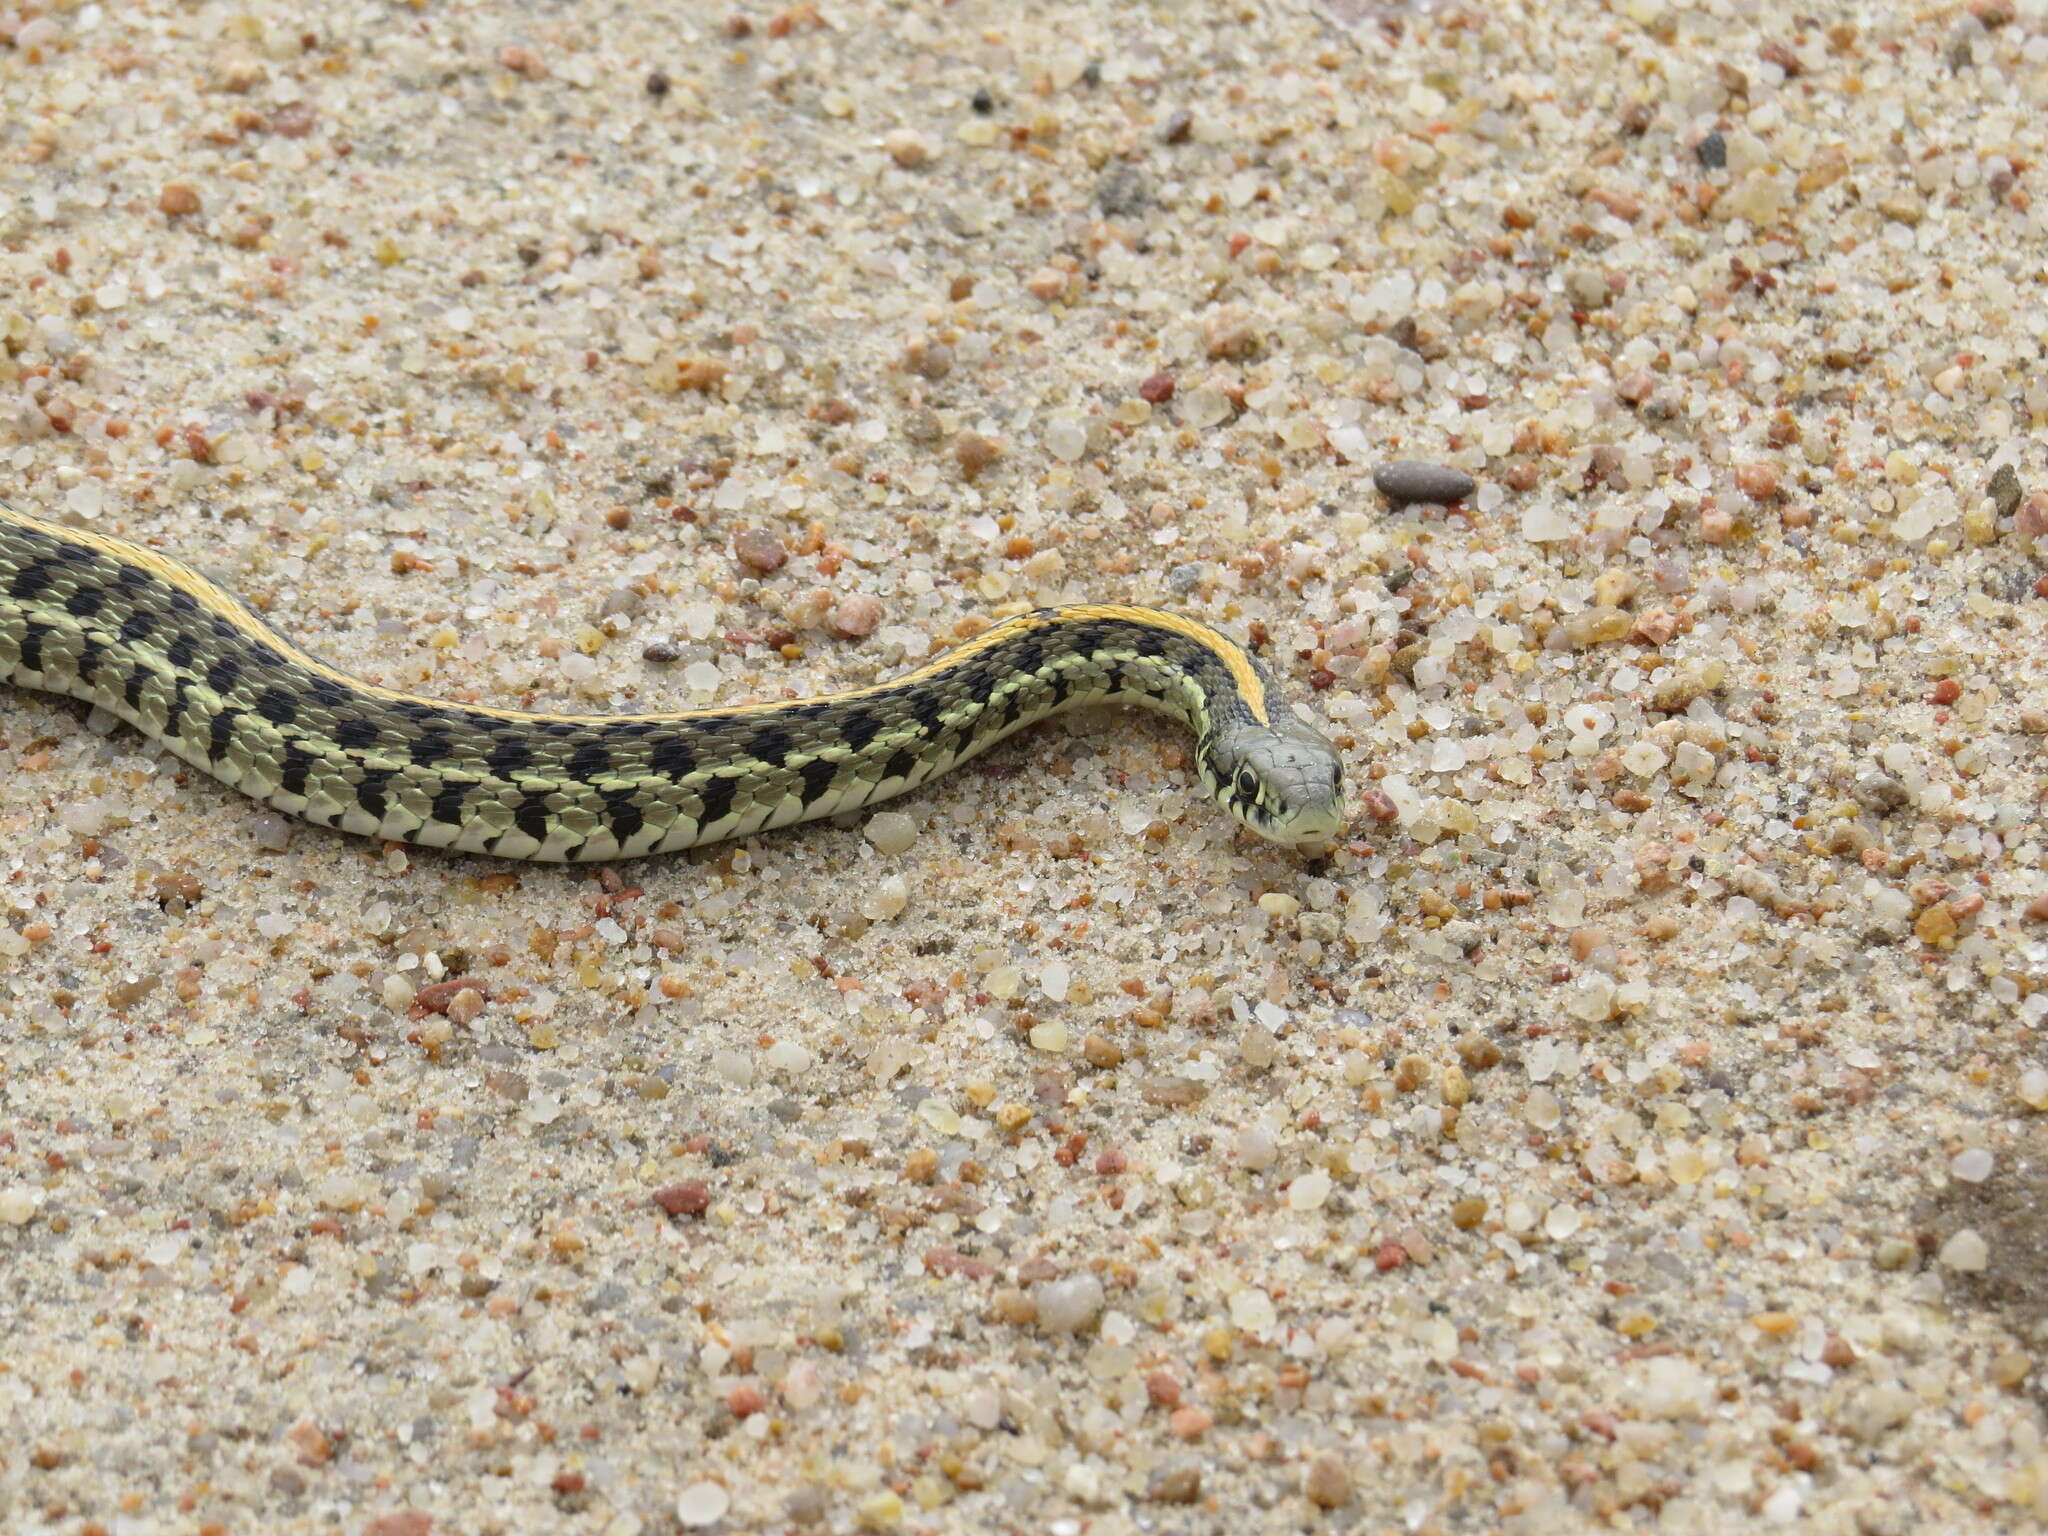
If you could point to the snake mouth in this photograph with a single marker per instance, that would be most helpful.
(1309, 832)
(1302, 827)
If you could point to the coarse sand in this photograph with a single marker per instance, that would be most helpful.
(1633, 1125)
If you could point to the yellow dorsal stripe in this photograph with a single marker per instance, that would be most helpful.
(218, 600)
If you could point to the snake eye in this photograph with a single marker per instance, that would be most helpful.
(1247, 784)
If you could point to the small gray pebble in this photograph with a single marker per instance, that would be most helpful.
(607, 1296)
(1881, 794)
(1409, 480)
(1069, 1306)
(273, 834)
(807, 1505)
(1123, 191)
(661, 653)
(1467, 936)
(1713, 152)
(2005, 490)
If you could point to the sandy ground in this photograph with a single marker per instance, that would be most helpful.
(1628, 1126)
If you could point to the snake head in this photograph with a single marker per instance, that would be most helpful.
(1280, 777)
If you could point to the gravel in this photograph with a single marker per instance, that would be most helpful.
(1632, 1120)
(1404, 482)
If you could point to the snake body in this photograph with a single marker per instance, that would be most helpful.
(192, 667)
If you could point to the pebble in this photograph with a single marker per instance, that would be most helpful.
(2031, 521)
(1256, 1147)
(1051, 1036)
(1327, 1482)
(1410, 480)
(880, 1511)
(885, 899)
(906, 148)
(1972, 1166)
(2005, 490)
(273, 834)
(855, 617)
(1893, 1253)
(1542, 1109)
(692, 1197)
(891, 832)
(1252, 1310)
(1203, 407)
(1180, 1483)
(17, 1205)
(807, 1505)
(178, 200)
(932, 359)
(1065, 439)
(1070, 1305)
(759, 550)
(975, 453)
(1757, 481)
(702, 1504)
(1229, 332)
(2032, 1088)
(1712, 151)
(1966, 1252)
(1054, 980)
(701, 375)
(1308, 1192)
(1544, 522)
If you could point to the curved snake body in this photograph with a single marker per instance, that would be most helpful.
(191, 666)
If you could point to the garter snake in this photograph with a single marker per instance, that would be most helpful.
(192, 667)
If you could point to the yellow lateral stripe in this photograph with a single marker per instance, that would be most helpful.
(1225, 650)
(218, 600)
